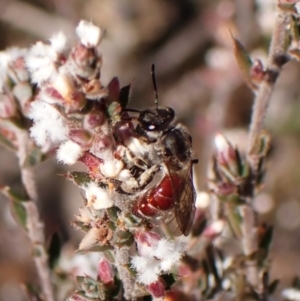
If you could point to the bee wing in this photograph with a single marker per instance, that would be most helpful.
(184, 202)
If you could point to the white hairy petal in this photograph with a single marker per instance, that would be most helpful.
(69, 152)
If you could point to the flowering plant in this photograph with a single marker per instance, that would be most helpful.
(138, 189)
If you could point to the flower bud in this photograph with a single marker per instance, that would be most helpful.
(114, 110)
(123, 130)
(94, 90)
(146, 241)
(105, 272)
(81, 137)
(257, 71)
(226, 154)
(74, 102)
(91, 162)
(86, 63)
(156, 289)
(93, 120)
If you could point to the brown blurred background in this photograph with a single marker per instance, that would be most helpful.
(189, 41)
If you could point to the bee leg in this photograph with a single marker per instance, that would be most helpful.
(133, 185)
(147, 176)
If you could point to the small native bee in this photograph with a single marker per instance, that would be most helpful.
(169, 149)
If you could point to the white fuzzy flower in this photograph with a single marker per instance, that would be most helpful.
(148, 269)
(41, 63)
(171, 255)
(89, 34)
(97, 197)
(111, 168)
(48, 123)
(58, 42)
(69, 152)
(157, 255)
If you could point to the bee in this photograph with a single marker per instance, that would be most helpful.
(167, 149)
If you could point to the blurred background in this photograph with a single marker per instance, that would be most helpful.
(189, 42)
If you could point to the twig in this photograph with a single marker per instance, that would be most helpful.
(122, 260)
(276, 59)
(34, 225)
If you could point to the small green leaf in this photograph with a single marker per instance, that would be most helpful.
(124, 96)
(112, 213)
(79, 178)
(124, 235)
(111, 226)
(235, 221)
(16, 204)
(243, 60)
(109, 256)
(80, 225)
(94, 248)
(19, 212)
(12, 195)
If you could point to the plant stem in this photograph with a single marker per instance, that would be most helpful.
(122, 261)
(276, 59)
(35, 228)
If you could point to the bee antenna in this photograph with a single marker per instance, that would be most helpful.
(154, 85)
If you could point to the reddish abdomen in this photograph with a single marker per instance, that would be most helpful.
(161, 197)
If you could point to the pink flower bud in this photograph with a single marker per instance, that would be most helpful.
(101, 142)
(257, 71)
(156, 289)
(94, 89)
(123, 130)
(91, 162)
(226, 155)
(146, 241)
(87, 63)
(81, 137)
(51, 95)
(224, 149)
(93, 120)
(105, 272)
